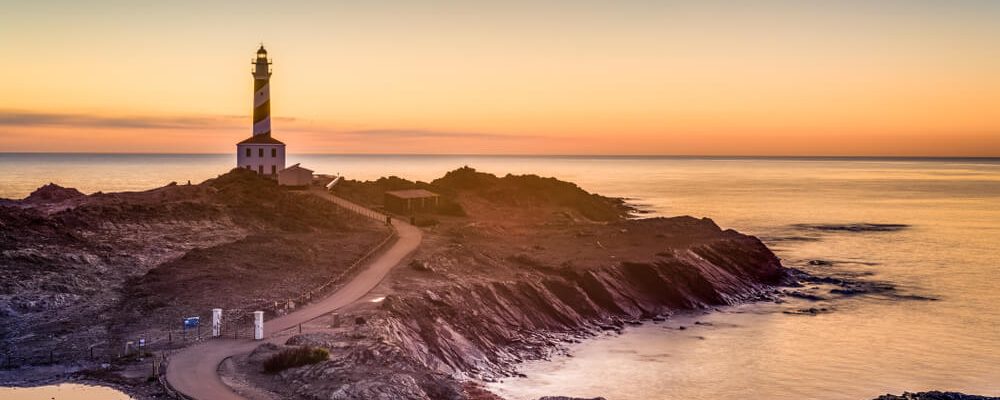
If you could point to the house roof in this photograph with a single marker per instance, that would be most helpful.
(411, 193)
(261, 139)
(296, 167)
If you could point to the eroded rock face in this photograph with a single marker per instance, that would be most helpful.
(483, 328)
(482, 324)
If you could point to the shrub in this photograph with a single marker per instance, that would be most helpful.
(296, 357)
(424, 221)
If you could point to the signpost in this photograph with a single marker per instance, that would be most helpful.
(193, 322)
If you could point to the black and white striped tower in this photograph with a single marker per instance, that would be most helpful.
(261, 152)
(262, 93)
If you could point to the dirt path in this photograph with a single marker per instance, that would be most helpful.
(193, 371)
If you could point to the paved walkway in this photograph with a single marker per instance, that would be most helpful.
(193, 371)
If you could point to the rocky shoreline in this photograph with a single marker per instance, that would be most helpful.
(512, 269)
(506, 282)
(934, 395)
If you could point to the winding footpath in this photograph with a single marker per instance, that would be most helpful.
(193, 371)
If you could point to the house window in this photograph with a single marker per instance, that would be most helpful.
(274, 153)
(260, 169)
(274, 168)
(248, 155)
(260, 153)
(248, 167)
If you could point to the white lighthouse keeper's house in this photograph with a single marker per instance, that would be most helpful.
(261, 152)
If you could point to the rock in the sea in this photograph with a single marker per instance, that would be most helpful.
(570, 398)
(934, 395)
(859, 227)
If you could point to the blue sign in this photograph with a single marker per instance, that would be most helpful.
(191, 322)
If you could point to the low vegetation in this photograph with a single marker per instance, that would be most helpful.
(295, 357)
(518, 191)
(532, 191)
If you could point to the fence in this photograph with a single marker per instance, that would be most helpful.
(237, 323)
(370, 213)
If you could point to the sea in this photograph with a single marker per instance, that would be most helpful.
(927, 228)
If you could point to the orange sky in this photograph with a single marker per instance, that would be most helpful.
(710, 78)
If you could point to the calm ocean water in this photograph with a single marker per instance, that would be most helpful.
(868, 345)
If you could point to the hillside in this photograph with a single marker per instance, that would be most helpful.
(470, 193)
(95, 271)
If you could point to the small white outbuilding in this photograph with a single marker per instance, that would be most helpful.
(295, 176)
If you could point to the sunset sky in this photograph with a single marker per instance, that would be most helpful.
(897, 78)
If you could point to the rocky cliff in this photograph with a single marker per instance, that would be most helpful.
(517, 279)
(483, 328)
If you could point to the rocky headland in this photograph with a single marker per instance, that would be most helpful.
(512, 269)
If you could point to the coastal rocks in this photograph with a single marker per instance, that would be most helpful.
(52, 193)
(845, 286)
(857, 228)
(370, 370)
(803, 295)
(812, 311)
(481, 328)
(570, 398)
(48, 198)
(934, 395)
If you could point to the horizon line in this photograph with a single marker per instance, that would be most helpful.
(513, 155)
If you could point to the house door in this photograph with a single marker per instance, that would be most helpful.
(260, 169)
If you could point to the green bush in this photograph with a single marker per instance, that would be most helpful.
(296, 357)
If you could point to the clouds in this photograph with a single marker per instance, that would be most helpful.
(56, 131)
(430, 134)
(10, 118)
(14, 118)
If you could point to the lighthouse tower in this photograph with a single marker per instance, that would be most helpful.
(261, 152)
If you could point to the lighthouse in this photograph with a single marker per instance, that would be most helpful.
(261, 152)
